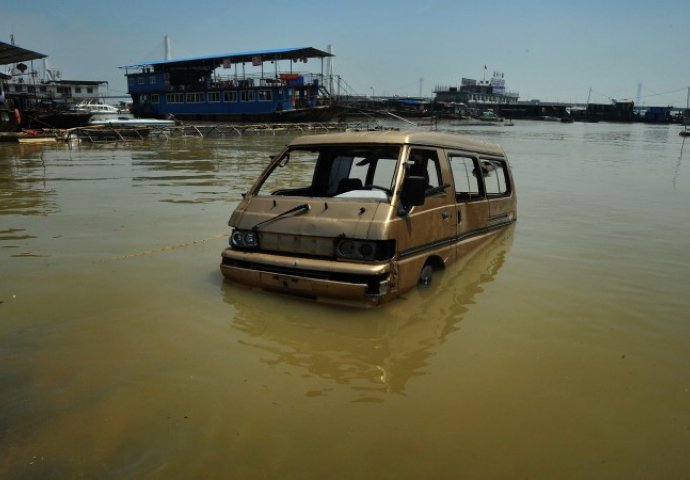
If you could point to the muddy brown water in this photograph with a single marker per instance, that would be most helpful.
(558, 350)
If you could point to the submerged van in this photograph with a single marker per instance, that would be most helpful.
(362, 217)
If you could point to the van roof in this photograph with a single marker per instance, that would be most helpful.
(394, 137)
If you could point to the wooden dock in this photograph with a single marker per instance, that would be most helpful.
(30, 136)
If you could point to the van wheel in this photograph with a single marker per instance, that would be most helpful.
(425, 275)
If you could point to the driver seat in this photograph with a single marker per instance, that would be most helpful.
(348, 184)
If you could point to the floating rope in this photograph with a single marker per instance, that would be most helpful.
(165, 249)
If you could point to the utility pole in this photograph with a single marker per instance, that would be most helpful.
(329, 69)
(168, 52)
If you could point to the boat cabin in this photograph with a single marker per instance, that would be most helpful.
(265, 85)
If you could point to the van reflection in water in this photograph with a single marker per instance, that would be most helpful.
(376, 351)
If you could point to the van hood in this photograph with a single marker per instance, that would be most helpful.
(326, 217)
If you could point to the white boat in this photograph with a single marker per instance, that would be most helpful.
(103, 114)
(97, 108)
(129, 121)
(109, 115)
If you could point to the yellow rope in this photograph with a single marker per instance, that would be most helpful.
(167, 248)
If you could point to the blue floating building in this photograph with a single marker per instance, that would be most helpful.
(262, 85)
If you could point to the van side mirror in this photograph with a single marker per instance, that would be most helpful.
(413, 191)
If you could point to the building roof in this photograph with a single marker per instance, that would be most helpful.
(238, 57)
(85, 83)
(13, 54)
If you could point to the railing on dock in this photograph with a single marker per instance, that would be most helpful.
(107, 133)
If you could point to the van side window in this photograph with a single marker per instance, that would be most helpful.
(424, 163)
(467, 186)
(495, 174)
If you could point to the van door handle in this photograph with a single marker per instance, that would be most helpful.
(445, 215)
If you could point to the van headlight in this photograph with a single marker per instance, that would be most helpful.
(364, 249)
(244, 239)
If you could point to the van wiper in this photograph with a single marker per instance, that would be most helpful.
(298, 209)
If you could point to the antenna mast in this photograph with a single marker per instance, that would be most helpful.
(168, 51)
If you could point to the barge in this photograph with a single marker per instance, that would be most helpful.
(251, 86)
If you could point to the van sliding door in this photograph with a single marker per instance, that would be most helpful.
(472, 206)
(432, 226)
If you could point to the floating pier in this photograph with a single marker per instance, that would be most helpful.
(30, 136)
(105, 133)
(113, 133)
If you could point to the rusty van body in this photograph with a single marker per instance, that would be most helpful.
(362, 217)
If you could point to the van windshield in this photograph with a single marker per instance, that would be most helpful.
(364, 172)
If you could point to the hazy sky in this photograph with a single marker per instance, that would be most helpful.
(552, 50)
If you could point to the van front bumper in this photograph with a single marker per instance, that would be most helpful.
(324, 280)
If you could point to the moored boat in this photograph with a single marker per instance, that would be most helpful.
(220, 87)
(49, 117)
(10, 115)
(129, 121)
(96, 107)
(40, 97)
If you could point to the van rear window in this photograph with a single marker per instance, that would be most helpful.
(495, 177)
